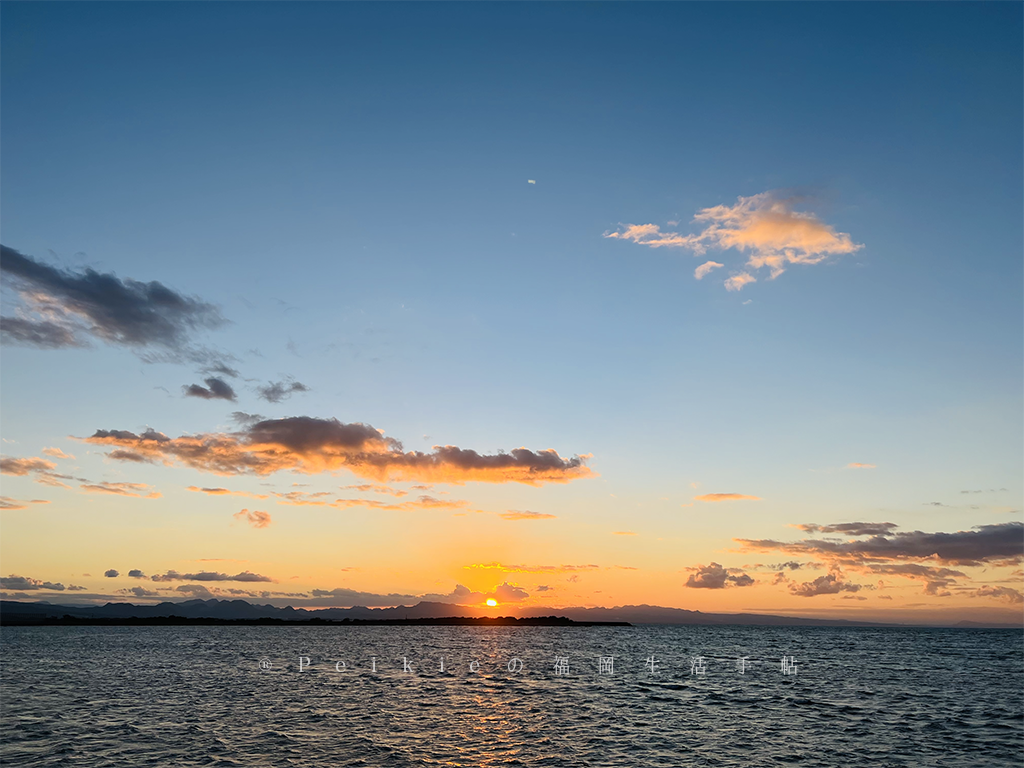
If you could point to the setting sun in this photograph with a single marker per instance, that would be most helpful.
(491, 602)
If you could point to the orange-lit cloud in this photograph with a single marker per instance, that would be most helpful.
(246, 576)
(858, 465)
(726, 497)
(255, 517)
(532, 568)
(57, 453)
(1000, 593)
(706, 267)
(226, 492)
(21, 467)
(764, 226)
(138, 490)
(384, 489)
(6, 502)
(514, 514)
(423, 502)
(737, 281)
(311, 445)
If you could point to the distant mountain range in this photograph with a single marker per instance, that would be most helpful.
(16, 612)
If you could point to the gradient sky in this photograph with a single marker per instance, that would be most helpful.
(478, 226)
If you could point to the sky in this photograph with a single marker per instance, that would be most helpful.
(711, 306)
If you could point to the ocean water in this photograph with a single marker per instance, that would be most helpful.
(197, 696)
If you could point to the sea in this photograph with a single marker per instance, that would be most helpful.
(381, 696)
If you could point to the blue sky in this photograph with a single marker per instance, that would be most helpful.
(349, 183)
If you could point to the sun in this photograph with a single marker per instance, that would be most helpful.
(491, 602)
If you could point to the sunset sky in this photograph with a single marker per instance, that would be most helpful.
(707, 306)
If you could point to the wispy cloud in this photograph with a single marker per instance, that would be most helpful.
(215, 389)
(226, 492)
(255, 517)
(850, 529)
(6, 502)
(767, 227)
(61, 308)
(1006, 594)
(57, 453)
(10, 465)
(245, 576)
(726, 497)
(276, 391)
(311, 445)
(858, 465)
(706, 267)
(514, 514)
(999, 543)
(138, 490)
(532, 568)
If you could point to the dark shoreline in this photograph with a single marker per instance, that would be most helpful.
(181, 621)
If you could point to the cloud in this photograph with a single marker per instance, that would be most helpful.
(311, 445)
(135, 573)
(738, 280)
(319, 499)
(41, 468)
(111, 574)
(344, 597)
(122, 455)
(858, 465)
(25, 583)
(138, 490)
(714, 576)
(196, 590)
(765, 227)
(461, 595)
(514, 514)
(215, 389)
(139, 592)
(243, 419)
(6, 502)
(255, 518)
(706, 267)
(57, 453)
(1000, 593)
(850, 529)
(936, 580)
(276, 391)
(533, 568)
(726, 497)
(21, 467)
(831, 584)
(984, 544)
(209, 576)
(61, 308)
(384, 489)
(222, 369)
(226, 492)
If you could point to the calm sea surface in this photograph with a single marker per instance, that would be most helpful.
(190, 696)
